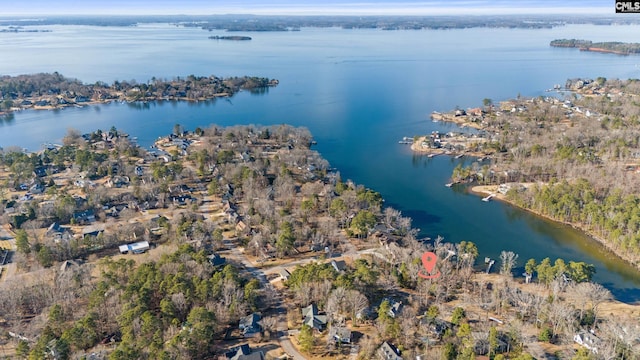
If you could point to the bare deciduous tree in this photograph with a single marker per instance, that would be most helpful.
(508, 262)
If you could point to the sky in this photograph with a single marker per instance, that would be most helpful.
(303, 7)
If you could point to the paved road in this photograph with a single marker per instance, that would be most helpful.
(278, 304)
(261, 275)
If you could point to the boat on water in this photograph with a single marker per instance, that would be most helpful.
(448, 184)
(406, 140)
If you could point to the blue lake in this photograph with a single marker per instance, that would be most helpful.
(358, 91)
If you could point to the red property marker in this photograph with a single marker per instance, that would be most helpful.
(429, 262)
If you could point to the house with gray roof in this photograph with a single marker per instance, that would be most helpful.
(388, 352)
(313, 319)
(250, 325)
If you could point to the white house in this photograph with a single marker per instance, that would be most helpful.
(135, 248)
(588, 340)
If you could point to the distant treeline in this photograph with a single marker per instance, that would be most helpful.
(288, 23)
(609, 46)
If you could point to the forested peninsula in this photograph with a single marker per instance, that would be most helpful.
(52, 91)
(573, 158)
(613, 47)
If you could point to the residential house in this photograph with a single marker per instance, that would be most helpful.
(340, 334)
(217, 260)
(339, 266)
(117, 181)
(313, 319)
(59, 233)
(437, 328)
(85, 216)
(241, 227)
(181, 200)
(395, 307)
(37, 188)
(284, 274)
(250, 325)
(93, 230)
(588, 340)
(388, 352)
(243, 352)
(134, 248)
(40, 171)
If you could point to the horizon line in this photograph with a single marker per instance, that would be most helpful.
(332, 11)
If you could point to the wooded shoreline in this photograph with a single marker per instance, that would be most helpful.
(54, 91)
(587, 177)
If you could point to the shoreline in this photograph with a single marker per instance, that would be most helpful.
(417, 147)
(486, 190)
(460, 120)
(109, 101)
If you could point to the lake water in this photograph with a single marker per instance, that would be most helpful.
(358, 91)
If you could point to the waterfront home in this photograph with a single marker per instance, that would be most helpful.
(588, 340)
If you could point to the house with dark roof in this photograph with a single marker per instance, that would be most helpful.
(217, 260)
(395, 307)
(40, 171)
(313, 319)
(243, 352)
(59, 233)
(388, 352)
(93, 230)
(85, 216)
(339, 265)
(250, 325)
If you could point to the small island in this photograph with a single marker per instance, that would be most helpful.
(611, 47)
(231, 37)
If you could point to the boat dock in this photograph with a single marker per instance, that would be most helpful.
(488, 198)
